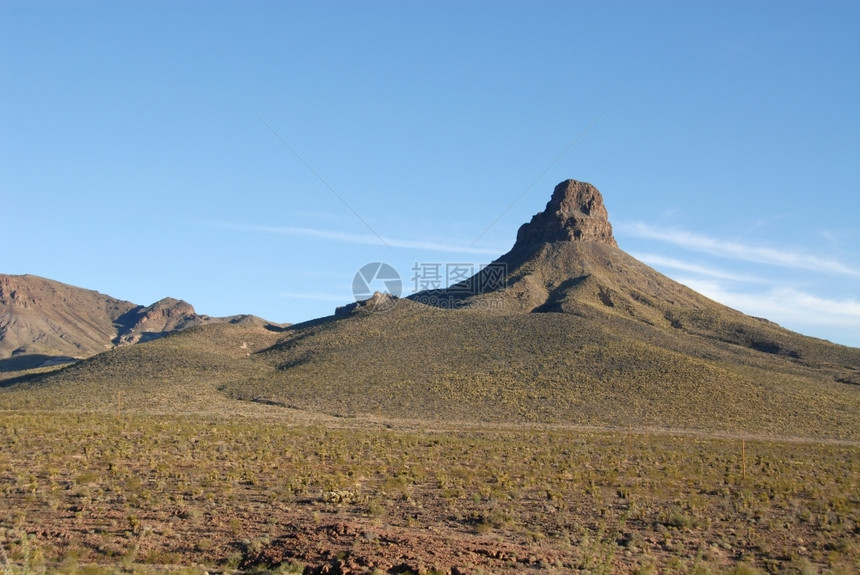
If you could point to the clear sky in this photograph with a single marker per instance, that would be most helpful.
(248, 156)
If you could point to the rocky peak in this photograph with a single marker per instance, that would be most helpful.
(168, 308)
(574, 213)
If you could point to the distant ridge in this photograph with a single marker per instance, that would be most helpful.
(45, 322)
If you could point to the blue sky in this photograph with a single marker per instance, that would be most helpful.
(248, 156)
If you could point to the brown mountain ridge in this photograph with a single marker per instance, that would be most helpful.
(45, 322)
(575, 332)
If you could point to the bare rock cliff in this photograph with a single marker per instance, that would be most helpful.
(574, 213)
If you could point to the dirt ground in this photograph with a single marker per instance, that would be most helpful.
(129, 493)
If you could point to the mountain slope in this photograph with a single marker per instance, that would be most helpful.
(566, 261)
(49, 318)
(420, 362)
(177, 373)
(43, 321)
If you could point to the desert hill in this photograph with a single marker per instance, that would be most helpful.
(44, 322)
(566, 260)
(576, 332)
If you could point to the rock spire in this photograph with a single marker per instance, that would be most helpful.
(574, 213)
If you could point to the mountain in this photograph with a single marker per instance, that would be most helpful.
(45, 322)
(566, 260)
(564, 329)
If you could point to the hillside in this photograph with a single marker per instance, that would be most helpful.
(44, 322)
(576, 332)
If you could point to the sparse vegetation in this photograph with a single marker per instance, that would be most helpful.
(91, 491)
(547, 368)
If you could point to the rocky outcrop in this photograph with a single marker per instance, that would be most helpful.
(377, 302)
(574, 224)
(574, 213)
(164, 316)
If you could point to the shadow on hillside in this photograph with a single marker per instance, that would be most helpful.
(557, 296)
(33, 361)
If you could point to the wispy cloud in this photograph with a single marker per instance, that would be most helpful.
(783, 305)
(665, 262)
(351, 238)
(739, 251)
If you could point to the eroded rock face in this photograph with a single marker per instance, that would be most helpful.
(574, 213)
(164, 316)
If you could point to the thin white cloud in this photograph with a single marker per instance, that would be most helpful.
(784, 305)
(738, 251)
(665, 262)
(364, 239)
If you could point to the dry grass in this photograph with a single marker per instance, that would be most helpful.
(417, 362)
(136, 492)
